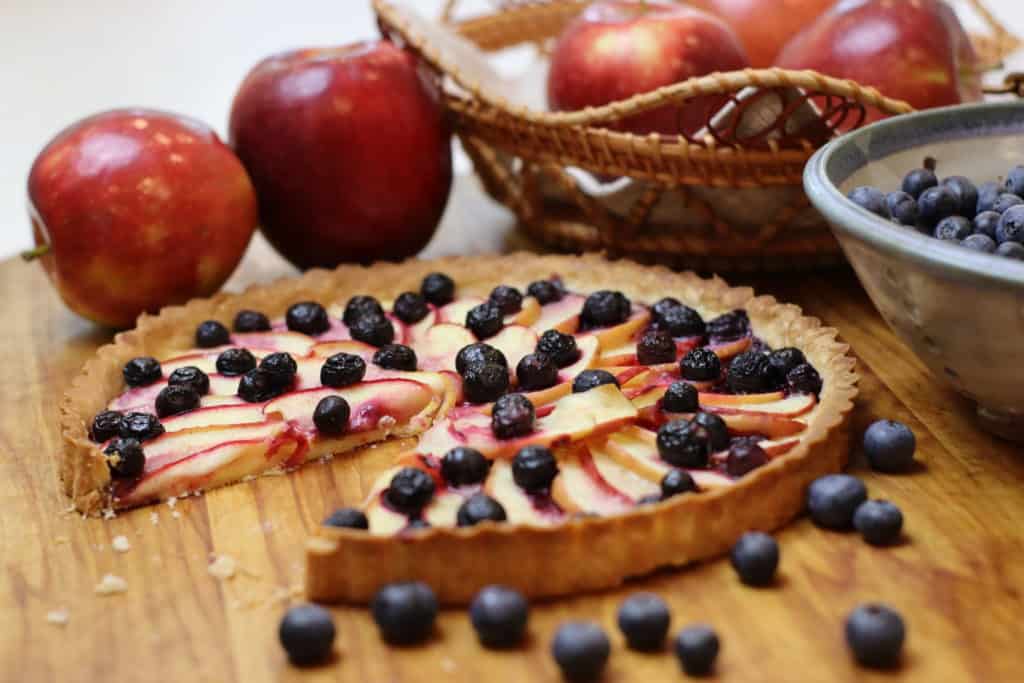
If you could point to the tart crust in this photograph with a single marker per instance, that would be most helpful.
(578, 555)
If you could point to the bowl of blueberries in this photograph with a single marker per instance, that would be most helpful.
(929, 210)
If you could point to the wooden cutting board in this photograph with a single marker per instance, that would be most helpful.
(957, 579)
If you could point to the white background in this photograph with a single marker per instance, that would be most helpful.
(62, 60)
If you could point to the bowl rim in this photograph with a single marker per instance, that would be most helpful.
(847, 218)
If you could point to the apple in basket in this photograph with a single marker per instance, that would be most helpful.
(614, 50)
(914, 51)
(765, 26)
(349, 150)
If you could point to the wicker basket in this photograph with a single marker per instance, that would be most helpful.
(727, 198)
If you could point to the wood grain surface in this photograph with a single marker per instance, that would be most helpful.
(957, 578)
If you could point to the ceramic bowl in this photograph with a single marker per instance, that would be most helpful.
(961, 312)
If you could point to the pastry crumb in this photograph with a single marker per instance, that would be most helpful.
(223, 567)
(172, 501)
(176, 514)
(121, 544)
(108, 513)
(111, 584)
(58, 617)
(154, 518)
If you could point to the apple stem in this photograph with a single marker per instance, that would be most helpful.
(33, 254)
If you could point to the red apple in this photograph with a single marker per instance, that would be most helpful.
(764, 26)
(914, 51)
(349, 150)
(136, 209)
(614, 50)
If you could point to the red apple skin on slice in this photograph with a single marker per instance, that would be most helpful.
(232, 414)
(295, 343)
(562, 315)
(374, 405)
(580, 488)
(143, 399)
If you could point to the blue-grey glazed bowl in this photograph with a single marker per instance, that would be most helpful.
(961, 312)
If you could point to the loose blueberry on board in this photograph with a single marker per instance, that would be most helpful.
(681, 397)
(697, 648)
(684, 444)
(395, 357)
(257, 386)
(342, 370)
(1015, 181)
(700, 365)
(1011, 225)
(512, 416)
(744, 457)
(105, 426)
(331, 415)
(281, 368)
(175, 399)
(347, 518)
(190, 376)
(438, 289)
(410, 307)
(483, 383)
(485, 320)
(980, 243)
(307, 634)
(936, 203)
(605, 308)
(591, 379)
(410, 490)
(141, 371)
(751, 373)
(1005, 202)
(902, 208)
(784, 360)
(499, 615)
(372, 329)
(985, 223)
(544, 291)
(729, 326)
(534, 468)
(211, 333)
(682, 321)
(1012, 250)
(644, 619)
(804, 379)
(581, 650)
(871, 199)
(832, 500)
(718, 431)
(875, 634)
(140, 426)
(952, 229)
(919, 180)
(560, 347)
(656, 346)
(478, 353)
(987, 195)
(878, 521)
(509, 299)
(755, 557)
(676, 482)
(235, 361)
(889, 446)
(405, 612)
(536, 371)
(251, 321)
(307, 317)
(965, 192)
(360, 305)
(478, 508)
(125, 457)
(464, 466)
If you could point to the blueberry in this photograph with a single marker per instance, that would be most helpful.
(307, 317)
(545, 291)
(536, 371)
(560, 347)
(590, 379)
(499, 615)
(832, 500)
(755, 557)
(677, 481)
(512, 416)
(331, 415)
(682, 321)
(410, 490)
(483, 383)
(342, 370)
(784, 360)
(395, 357)
(729, 326)
(875, 634)
(105, 426)
(1011, 225)
(485, 320)
(718, 432)
(464, 466)
(479, 507)
(1012, 250)
(281, 368)
(902, 208)
(190, 376)
(697, 648)
(125, 457)
(141, 371)
(251, 321)
(871, 199)
(534, 468)
(509, 299)
(140, 426)
(307, 634)
(744, 457)
(919, 180)
(985, 223)
(936, 203)
(581, 650)
(372, 329)
(1015, 181)
(358, 306)
(701, 365)
(751, 373)
(655, 346)
(416, 524)
(804, 379)
(175, 399)
(878, 521)
(605, 308)
(347, 518)
(405, 612)
(438, 289)
(235, 361)
(988, 193)
(644, 619)
(410, 307)
(478, 353)
(257, 386)
(1006, 201)
(952, 229)
(663, 306)
(683, 444)
(966, 194)
(889, 446)
(211, 333)
(649, 499)
(680, 397)
(980, 243)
